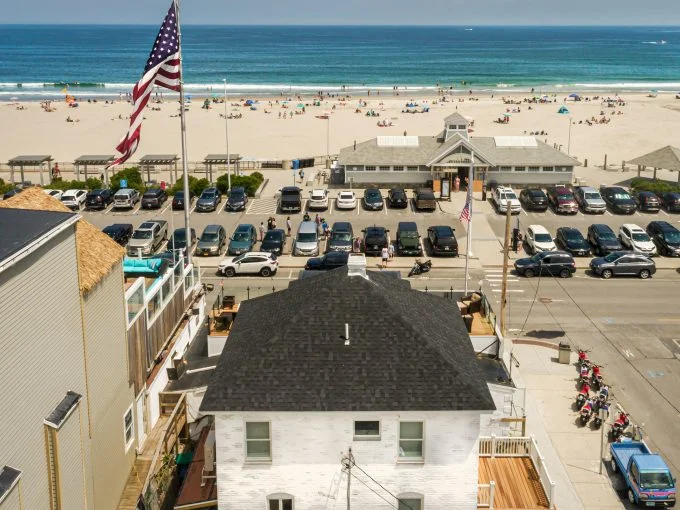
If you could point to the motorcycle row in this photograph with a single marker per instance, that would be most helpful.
(592, 401)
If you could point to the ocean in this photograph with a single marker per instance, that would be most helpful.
(99, 61)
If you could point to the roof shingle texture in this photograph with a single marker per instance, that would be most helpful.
(408, 351)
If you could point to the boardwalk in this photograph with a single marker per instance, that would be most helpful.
(517, 483)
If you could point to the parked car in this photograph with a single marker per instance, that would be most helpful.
(306, 240)
(623, 263)
(237, 199)
(618, 199)
(671, 201)
(154, 198)
(12, 192)
(375, 239)
(274, 241)
(603, 239)
(538, 239)
(255, 262)
(666, 238)
(119, 232)
(408, 239)
(633, 237)
(572, 241)
(341, 237)
(147, 238)
(547, 263)
(290, 199)
(126, 198)
(443, 241)
(373, 200)
(318, 200)
(504, 197)
(54, 193)
(209, 200)
(213, 238)
(242, 240)
(424, 200)
(72, 198)
(98, 199)
(346, 200)
(533, 199)
(562, 200)
(397, 199)
(647, 201)
(178, 240)
(330, 260)
(590, 200)
(178, 200)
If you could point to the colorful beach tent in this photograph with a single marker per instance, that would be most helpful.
(563, 110)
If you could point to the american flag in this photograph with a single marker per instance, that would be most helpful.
(465, 213)
(162, 69)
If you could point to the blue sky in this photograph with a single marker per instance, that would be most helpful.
(366, 12)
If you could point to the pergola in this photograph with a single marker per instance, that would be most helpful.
(219, 159)
(96, 160)
(666, 158)
(169, 160)
(22, 161)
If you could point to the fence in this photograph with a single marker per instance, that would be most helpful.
(485, 495)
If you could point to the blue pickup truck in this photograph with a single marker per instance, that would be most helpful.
(648, 479)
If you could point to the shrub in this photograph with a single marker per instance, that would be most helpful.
(133, 177)
(250, 182)
(642, 184)
(5, 187)
(196, 186)
(90, 184)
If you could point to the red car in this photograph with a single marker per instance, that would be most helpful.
(562, 200)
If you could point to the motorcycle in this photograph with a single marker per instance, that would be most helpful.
(602, 414)
(603, 396)
(585, 374)
(583, 396)
(620, 426)
(420, 267)
(596, 378)
(586, 412)
(583, 359)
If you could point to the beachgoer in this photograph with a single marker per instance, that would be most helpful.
(357, 245)
(306, 217)
(261, 230)
(385, 253)
(390, 250)
(289, 226)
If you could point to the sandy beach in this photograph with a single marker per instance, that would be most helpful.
(644, 124)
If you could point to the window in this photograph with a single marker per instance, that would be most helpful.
(411, 440)
(520, 169)
(548, 168)
(258, 441)
(412, 168)
(364, 430)
(154, 305)
(398, 168)
(280, 502)
(410, 503)
(506, 168)
(370, 168)
(534, 168)
(423, 168)
(167, 289)
(135, 303)
(128, 428)
(493, 169)
(384, 168)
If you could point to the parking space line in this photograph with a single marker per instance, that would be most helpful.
(166, 208)
(663, 212)
(385, 209)
(109, 208)
(525, 213)
(218, 209)
(330, 207)
(608, 213)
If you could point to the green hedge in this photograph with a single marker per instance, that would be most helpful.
(251, 182)
(5, 187)
(642, 184)
(195, 185)
(91, 183)
(133, 176)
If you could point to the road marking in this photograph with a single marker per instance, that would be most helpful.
(166, 208)
(330, 207)
(525, 213)
(109, 208)
(627, 353)
(508, 290)
(663, 212)
(385, 209)
(608, 213)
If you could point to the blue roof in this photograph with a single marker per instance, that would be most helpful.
(650, 462)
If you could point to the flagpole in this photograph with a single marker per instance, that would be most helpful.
(185, 165)
(468, 241)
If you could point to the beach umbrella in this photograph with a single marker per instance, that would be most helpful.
(563, 110)
(506, 115)
(574, 95)
(300, 105)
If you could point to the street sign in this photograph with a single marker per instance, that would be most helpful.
(123, 183)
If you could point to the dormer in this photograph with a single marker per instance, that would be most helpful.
(456, 124)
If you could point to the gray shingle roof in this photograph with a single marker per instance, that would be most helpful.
(408, 351)
(667, 158)
(541, 155)
(456, 118)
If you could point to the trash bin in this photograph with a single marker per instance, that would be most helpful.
(564, 355)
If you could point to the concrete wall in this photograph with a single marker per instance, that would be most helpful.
(530, 178)
(42, 356)
(307, 450)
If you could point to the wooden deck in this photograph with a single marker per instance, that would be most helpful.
(517, 483)
(140, 470)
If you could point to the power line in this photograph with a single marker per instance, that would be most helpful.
(374, 491)
(381, 486)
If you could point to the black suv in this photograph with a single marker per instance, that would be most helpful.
(547, 263)
(618, 199)
(326, 262)
(291, 199)
(534, 199)
(119, 232)
(98, 199)
(154, 198)
(178, 200)
(603, 239)
(237, 200)
(375, 239)
(666, 238)
(274, 241)
(572, 241)
(373, 200)
(671, 201)
(341, 237)
(408, 239)
(647, 201)
(396, 198)
(443, 241)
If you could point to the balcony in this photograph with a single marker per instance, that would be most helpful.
(512, 474)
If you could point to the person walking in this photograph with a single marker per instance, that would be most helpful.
(390, 250)
(357, 245)
(289, 226)
(261, 230)
(385, 256)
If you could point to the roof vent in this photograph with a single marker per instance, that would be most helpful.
(356, 265)
(346, 333)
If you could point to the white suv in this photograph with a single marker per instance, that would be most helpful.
(346, 200)
(634, 237)
(504, 197)
(318, 199)
(254, 262)
(73, 198)
(539, 239)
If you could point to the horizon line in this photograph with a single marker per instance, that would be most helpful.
(385, 25)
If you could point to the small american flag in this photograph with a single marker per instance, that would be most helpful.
(162, 69)
(465, 213)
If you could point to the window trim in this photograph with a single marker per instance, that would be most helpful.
(128, 444)
(412, 495)
(367, 437)
(411, 460)
(279, 496)
(258, 460)
(370, 168)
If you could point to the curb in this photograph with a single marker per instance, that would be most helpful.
(539, 343)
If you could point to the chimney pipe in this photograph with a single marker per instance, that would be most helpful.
(346, 333)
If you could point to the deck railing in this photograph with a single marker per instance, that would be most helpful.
(485, 495)
(492, 446)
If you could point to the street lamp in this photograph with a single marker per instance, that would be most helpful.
(226, 135)
(569, 140)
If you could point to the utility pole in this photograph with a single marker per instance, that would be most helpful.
(506, 254)
(350, 460)
(226, 136)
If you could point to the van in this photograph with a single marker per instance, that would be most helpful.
(306, 241)
(408, 239)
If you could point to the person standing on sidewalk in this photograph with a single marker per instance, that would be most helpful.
(289, 226)
(390, 251)
(385, 256)
(261, 230)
